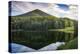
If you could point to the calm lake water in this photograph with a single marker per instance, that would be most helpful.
(17, 48)
(38, 40)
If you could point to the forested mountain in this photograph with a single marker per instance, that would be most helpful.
(37, 29)
(37, 20)
(35, 12)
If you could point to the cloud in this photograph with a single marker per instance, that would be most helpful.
(24, 7)
(71, 12)
(53, 9)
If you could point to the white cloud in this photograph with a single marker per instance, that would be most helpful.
(53, 9)
(71, 13)
(56, 11)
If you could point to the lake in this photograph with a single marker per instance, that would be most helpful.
(37, 40)
(17, 48)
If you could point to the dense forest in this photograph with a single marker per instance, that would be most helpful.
(41, 23)
(37, 29)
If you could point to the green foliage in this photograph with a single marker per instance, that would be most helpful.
(33, 22)
(33, 29)
(72, 44)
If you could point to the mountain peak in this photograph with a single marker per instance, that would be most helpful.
(35, 12)
(38, 10)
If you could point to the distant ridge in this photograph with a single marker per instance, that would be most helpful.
(35, 12)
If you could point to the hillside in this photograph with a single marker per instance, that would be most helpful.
(35, 12)
(37, 29)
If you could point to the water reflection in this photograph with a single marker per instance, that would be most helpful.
(20, 48)
(39, 39)
(15, 48)
(52, 46)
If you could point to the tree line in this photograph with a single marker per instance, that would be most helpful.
(41, 23)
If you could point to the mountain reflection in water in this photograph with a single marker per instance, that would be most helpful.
(15, 48)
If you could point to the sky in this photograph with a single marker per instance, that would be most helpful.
(59, 10)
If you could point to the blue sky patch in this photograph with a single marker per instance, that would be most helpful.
(63, 7)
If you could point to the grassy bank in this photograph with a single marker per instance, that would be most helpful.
(67, 30)
(72, 44)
